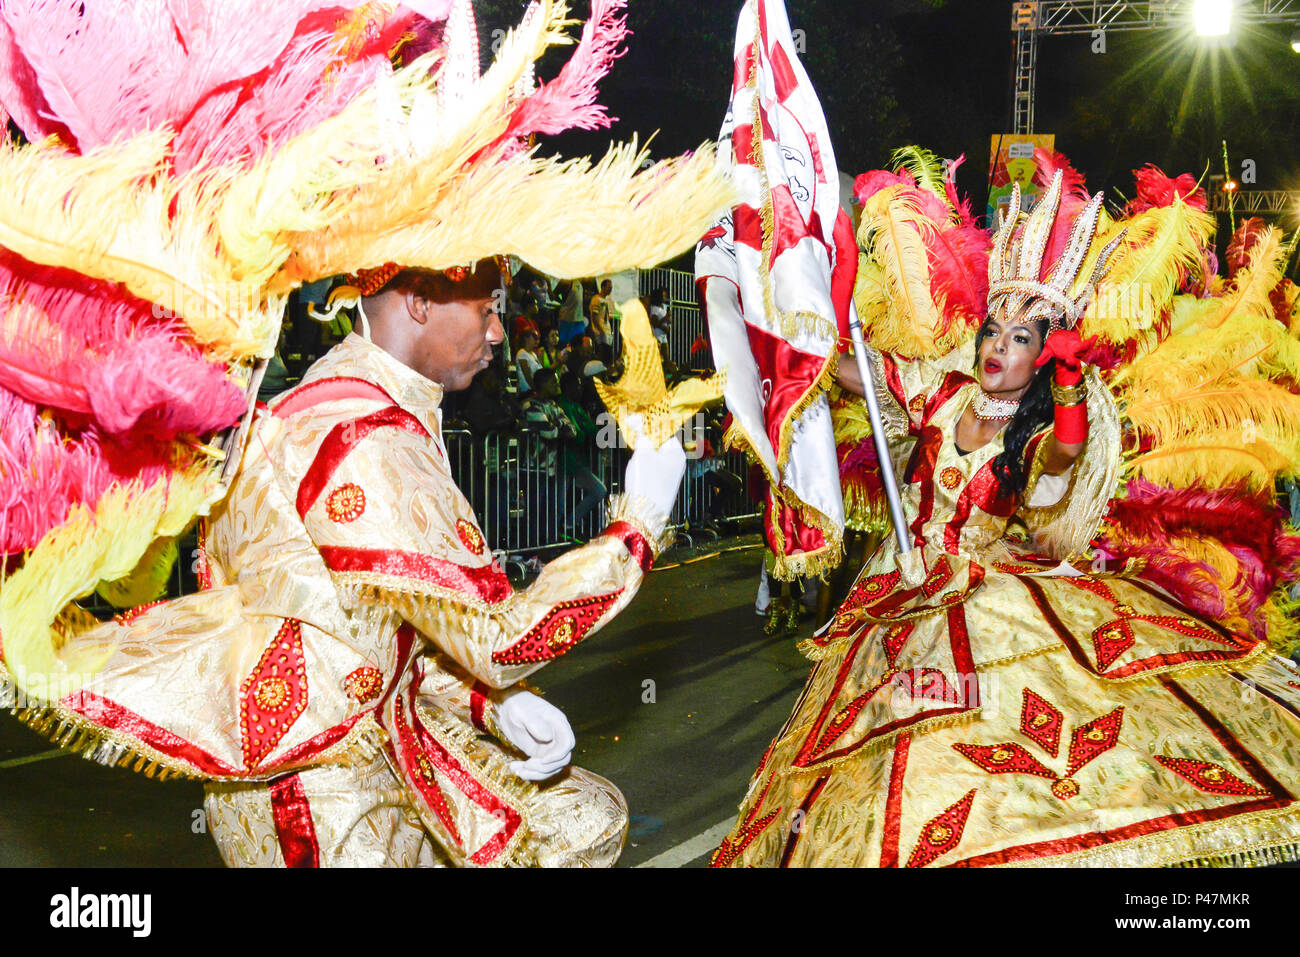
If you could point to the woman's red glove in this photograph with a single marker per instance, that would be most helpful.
(1067, 347)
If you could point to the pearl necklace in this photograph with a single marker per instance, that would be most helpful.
(990, 409)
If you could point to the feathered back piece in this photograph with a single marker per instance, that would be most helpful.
(188, 164)
(1208, 386)
(922, 283)
(1204, 370)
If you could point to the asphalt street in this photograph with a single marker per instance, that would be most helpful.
(674, 702)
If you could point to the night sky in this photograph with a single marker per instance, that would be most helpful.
(936, 73)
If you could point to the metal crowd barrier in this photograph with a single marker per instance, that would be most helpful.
(527, 501)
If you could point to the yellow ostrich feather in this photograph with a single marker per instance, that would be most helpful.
(146, 582)
(849, 417)
(122, 218)
(1205, 396)
(898, 313)
(103, 544)
(642, 390)
(1250, 292)
(925, 166)
(1160, 245)
(305, 184)
(616, 216)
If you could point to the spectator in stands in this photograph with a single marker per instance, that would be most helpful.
(526, 359)
(660, 320)
(578, 454)
(488, 408)
(602, 315)
(553, 354)
(572, 316)
(557, 456)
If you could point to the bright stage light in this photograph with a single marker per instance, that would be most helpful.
(1213, 18)
(1295, 41)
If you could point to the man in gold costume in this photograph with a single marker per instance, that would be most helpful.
(376, 580)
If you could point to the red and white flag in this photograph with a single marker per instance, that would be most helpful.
(775, 277)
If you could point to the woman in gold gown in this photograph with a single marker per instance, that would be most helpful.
(976, 703)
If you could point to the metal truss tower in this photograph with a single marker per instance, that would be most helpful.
(1031, 19)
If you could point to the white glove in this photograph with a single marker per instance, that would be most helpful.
(538, 729)
(656, 474)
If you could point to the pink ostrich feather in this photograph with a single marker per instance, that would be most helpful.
(569, 101)
(308, 83)
(1074, 196)
(1152, 519)
(49, 470)
(19, 95)
(89, 349)
(117, 67)
(959, 258)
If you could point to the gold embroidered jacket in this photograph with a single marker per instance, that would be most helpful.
(345, 579)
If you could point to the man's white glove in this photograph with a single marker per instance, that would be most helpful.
(656, 474)
(538, 729)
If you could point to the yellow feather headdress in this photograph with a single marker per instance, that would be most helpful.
(428, 165)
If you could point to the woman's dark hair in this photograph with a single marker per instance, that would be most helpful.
(1036, 410)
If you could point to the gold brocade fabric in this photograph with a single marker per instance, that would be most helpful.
(341, 670)
(985, 705)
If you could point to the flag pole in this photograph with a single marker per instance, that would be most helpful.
(887, 479)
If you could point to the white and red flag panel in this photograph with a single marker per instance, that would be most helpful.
(775, 277)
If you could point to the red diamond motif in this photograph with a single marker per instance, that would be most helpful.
(941, 834)
(274, 694)
(1004, 759)
(1041, 722)
(1213, 778)
(1094, 739)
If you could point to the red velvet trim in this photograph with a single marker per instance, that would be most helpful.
(312, 747)
(293, 822)
(634, 542)
(814, 750)
(421, 774)
(1070, 423)
(478, 702)
(804, 808)
(981, 490)
(953, 383)
(894, 802)
(340, 442)
(488, 583)
(1270, 695)
(329, 390)
(894, 382)
(1226, 738)
(509, 817)
(111, 715)
(921, 470)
